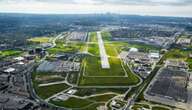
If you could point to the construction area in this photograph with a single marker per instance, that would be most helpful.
(170, 85)
(77, 36)
(58, 66)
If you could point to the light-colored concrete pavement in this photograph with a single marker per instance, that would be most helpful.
(103, 55)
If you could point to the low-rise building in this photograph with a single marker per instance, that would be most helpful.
(6, 63)
(8, 102)
(19, 58)
(176, 64)
(184, 41)
(3, 86)
(9, 70)
(140, 62)
(4, 77)
(154, 54)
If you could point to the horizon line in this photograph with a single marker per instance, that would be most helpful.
(106, 13)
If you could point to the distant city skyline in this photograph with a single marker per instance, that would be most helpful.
(180, 8)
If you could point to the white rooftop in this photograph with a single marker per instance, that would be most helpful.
(154, 55)
(9, 70)
(133, 50)
(113, 102)
(21, 63)
(71, 91)
(19, 58)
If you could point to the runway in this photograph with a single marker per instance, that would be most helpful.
(103, 55)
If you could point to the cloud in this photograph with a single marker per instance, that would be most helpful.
(172, 2)
(125, 2)
(147, 2)
(141, 7)
(116, 2)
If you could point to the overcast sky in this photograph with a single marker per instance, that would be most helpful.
(141, 7)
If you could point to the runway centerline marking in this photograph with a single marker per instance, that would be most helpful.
(103, 55)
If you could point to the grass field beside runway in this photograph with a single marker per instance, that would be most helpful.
(48, 91)
(45, 92)
(9, 53)
(72, 103)
(93, 63)
(93, 37)
(89, 103)
(106, 36)
(94, 75)
(93, 49)
(112, 50)
(5, 53)
(91, 91)
(109, 81)
(62, 47)
(40, 39)
(93, 67)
